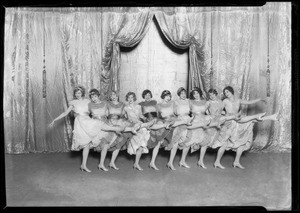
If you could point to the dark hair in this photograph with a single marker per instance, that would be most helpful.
(229, 88)
(94, 92)
(145, 92)
(213, 91)
(179, 91)
(165, 93)
(131, 93)
(196, 89)
(79, 88)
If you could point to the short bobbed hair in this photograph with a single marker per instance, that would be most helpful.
(229, 88)
(196, 89)
(213, 91)
(94, 92)
(165, 93)
(79, 88)
(131, 93)
(145, 92)
(180, 90)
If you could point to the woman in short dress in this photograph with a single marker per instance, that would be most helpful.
(116, 118)
(237, 135)
(98, 110)
(138, 143)
(159, 130)
(167, 111)
(85, 128)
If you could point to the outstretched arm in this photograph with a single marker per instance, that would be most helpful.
(252, 101)
(62, 115)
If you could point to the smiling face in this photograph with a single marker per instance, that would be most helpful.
(182, 95)
(95, 98)
(167, 98)
(148, 97)
(212, 96)
(130, 99)
(113, 96)
(78, 94)
(196, 95)
(227, 93)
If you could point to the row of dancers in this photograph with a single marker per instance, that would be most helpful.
(187, 124)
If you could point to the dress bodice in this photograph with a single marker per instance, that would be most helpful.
(166, 110)
(98, 110)
(115, 110)
(148, 106)
(216, 107)
(80, 106)
(182, 107)
(232, 107)
(133, 113)
(198, 107)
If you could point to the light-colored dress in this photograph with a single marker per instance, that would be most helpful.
(116, 118)
(99, 111)
(140, 139)
(235, 134)
(196, 137)
(85, 128)
(182, 109)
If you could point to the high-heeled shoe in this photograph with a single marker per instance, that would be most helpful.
(183, 165)
(137, 167)
(201, 165)
(85, 169)
(152, 166)
(238, 165)
(170, 167)
(113, 166)
(102, 168)
(219, 166)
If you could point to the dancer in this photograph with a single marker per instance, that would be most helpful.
(98, 110)
(167, 112)
(85, 128)
(138, 143)
(158, 131)
(116, 118)
(237, 134)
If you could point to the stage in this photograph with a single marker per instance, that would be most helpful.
(54, 179)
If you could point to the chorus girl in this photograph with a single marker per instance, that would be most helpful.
(85, 128)
(116, 118)
(138, 143)
(159, 130)
(167, 109)
(237, 135)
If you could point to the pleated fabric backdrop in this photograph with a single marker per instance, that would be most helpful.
(49, 51)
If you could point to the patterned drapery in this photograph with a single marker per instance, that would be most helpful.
(50, 50)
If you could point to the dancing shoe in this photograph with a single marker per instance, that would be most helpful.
(238, 165)
(201, 165)
(219, 166)
(183, 165)
(113, 166)
(84, 169)
(170, 166)
(137, 167)
(102, 168)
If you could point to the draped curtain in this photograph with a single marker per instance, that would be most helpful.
(49, 51)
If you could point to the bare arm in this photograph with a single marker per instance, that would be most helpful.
(251, 101)
(62, 115)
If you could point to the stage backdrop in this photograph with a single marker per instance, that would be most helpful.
(48, 51)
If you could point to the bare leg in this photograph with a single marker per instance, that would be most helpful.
(202, 154)
(154, 154)
(158, 126)
(197, 125)
(137, 159)
(102, 158)
(273, 117)
(113, 158)
(172, 155)
(220, 153)
(85, 154)
(251, 118)
(236, 162)
(183, 156)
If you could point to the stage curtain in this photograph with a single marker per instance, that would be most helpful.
(124, 29)
(247, 48)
